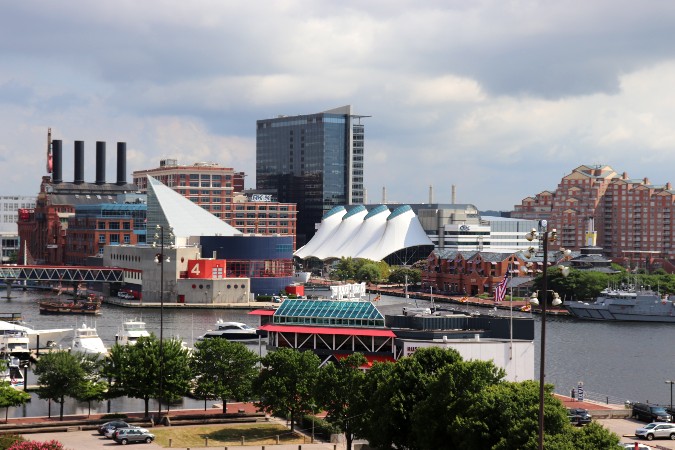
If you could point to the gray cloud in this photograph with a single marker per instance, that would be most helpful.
(500, 98)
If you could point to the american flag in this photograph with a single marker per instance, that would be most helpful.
(500, 290)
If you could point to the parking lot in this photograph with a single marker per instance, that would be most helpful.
(626, 429)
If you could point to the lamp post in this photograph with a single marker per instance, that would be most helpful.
(671, 382)
(545, 236)
(159, 259)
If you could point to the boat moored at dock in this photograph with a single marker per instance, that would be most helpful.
(131, 331)
(627, 303)
(88, 306)
(87, 341)
(234, 331)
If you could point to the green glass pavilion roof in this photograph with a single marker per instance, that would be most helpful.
(328, 313)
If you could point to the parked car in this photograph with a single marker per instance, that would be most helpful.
(650, 413)
(110, 434)
(656, 430)
(126, 435)
(632, 446)
(579, 416)
(103, 429)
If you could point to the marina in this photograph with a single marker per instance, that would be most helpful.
(577, 350)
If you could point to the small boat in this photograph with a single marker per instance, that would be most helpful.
(10, 371)
(627, 303)
(86, 341)
(234, 331)
(90, 305)
(131, 331)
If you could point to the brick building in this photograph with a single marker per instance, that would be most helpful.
(632, 217)
(220, 191)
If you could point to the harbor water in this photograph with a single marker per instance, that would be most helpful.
(625, 361)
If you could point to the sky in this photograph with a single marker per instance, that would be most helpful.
(499, 98)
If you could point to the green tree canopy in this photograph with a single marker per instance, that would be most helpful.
(223, 370)
(10, 397)
(341, 392)
(134, 370)
(60, 375)
(287, 382)
(393, 390)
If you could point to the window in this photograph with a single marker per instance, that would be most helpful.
(127, 238)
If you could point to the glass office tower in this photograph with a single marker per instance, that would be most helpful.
(314, 160)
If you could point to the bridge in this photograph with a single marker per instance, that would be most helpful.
(74, 274)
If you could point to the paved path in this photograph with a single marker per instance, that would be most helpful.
(625, 428)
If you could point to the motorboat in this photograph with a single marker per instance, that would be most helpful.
(10, 371)
(131, 331)
(301, 277)
(234, 331)
(46, 337)
(87, 341)
(13, 340)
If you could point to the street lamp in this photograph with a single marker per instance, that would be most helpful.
(544, 235)
(159, 259)
(671, 382)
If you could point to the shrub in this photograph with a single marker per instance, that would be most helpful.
(34, 445)
(7, 440)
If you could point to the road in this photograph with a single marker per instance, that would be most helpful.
(626, 429)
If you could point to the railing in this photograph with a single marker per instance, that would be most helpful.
(601, 398)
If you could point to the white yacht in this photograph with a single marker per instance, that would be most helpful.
(46, 337)
(234, 331)
(13, 340)
(131, 331)
(86, 340)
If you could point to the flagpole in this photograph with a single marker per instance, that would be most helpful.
(511, 315)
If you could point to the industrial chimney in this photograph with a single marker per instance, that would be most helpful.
(79, 162)
(431, 194)
(453, 194)
(384, 195)
(121, 163)
(100, 162)
(57, 161)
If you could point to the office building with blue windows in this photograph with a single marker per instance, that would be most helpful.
(314, 161)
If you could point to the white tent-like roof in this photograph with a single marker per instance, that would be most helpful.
(342, 234)
(368, 234)
(374, 235)
(330, 221)
(403, 230)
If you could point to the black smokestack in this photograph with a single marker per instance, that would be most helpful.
(121, 163)
(79, 162)
(100, 162)
(57, 160)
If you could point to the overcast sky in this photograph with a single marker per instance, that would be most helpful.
(500, 98)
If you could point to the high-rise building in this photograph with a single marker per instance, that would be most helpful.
(314, 161)
(632, 217)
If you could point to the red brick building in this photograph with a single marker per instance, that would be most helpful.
(632, 217)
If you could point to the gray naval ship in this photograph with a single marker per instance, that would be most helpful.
(626, 304)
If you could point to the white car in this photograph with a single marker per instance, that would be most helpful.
(656, 430)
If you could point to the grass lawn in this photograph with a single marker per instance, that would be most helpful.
(229, 434)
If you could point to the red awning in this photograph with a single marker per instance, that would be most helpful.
(329, 330)
(262, 312)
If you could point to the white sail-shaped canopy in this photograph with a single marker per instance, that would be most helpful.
(330, 221)
(370, 235)
(351, 222)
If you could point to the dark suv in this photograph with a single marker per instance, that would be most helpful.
(650, 413)
(579, 416)
(103, 429)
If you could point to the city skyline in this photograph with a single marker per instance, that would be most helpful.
(499, 99)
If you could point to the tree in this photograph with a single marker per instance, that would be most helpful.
(286, 383)
(10, 397)
(223, 369)
(344, 270)
(92, 391)
(134, 370)
(393, 391)
(60, 374)
(368, 272)
(340, 392)
(438, 419)
(399, 274)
